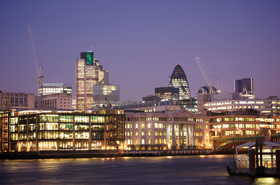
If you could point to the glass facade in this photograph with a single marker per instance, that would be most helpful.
(88, 74)
(245, 87)
(53, 88)
(61, 130)
(179, 80)
(111, 92)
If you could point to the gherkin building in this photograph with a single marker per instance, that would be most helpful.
(179, 80)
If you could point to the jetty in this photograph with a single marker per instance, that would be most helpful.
(263, 160)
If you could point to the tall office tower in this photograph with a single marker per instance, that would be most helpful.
(245, 87)
(179, 80)
(88, 74)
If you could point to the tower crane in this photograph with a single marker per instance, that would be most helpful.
(217, 79)
(205, 76)
(38, 70)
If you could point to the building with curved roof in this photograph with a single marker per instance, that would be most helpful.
(207, 90)
(179, 80)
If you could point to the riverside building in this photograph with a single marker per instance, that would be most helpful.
(242, 127)
(50, 130)
(160, 130)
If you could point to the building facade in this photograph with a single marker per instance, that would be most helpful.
(50, 130)
(179, 80)
(10, 100)
(56, 101)
(167, 93)
(88, 74)
(54, 88)
(165, 130)
(109, 92)
(242, 127)
(245, 87)
(266, 106)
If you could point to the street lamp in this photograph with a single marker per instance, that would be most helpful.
(233, 150)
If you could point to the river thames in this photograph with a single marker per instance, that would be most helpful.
(125, 170)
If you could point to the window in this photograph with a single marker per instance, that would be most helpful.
(143, 141)
(198, 127)
(143, 133)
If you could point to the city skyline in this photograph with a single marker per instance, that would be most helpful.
(141, 42)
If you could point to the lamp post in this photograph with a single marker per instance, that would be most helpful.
(233, 150)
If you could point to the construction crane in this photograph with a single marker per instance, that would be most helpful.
(205, 76)
(38, 70)
(217, 79)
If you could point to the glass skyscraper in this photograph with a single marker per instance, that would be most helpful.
(88, 74)
(245, 87)
(179, 80)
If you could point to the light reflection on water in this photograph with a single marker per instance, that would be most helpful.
(125, 170)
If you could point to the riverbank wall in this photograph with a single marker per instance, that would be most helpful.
(101, 153)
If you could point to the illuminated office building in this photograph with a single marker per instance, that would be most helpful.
(263, 106)
(88, 74)
(167, 93)
(64, 130)
(179, 80)
(109, 92)
(53, 88)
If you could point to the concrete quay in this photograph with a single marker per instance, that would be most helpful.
(101, 153)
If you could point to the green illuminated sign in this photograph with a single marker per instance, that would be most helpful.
(89, 58)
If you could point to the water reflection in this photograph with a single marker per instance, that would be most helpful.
(267, 181)
(125, 170)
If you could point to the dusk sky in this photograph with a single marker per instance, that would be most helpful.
(140, 42)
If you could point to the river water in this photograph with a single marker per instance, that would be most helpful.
(125, 170)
